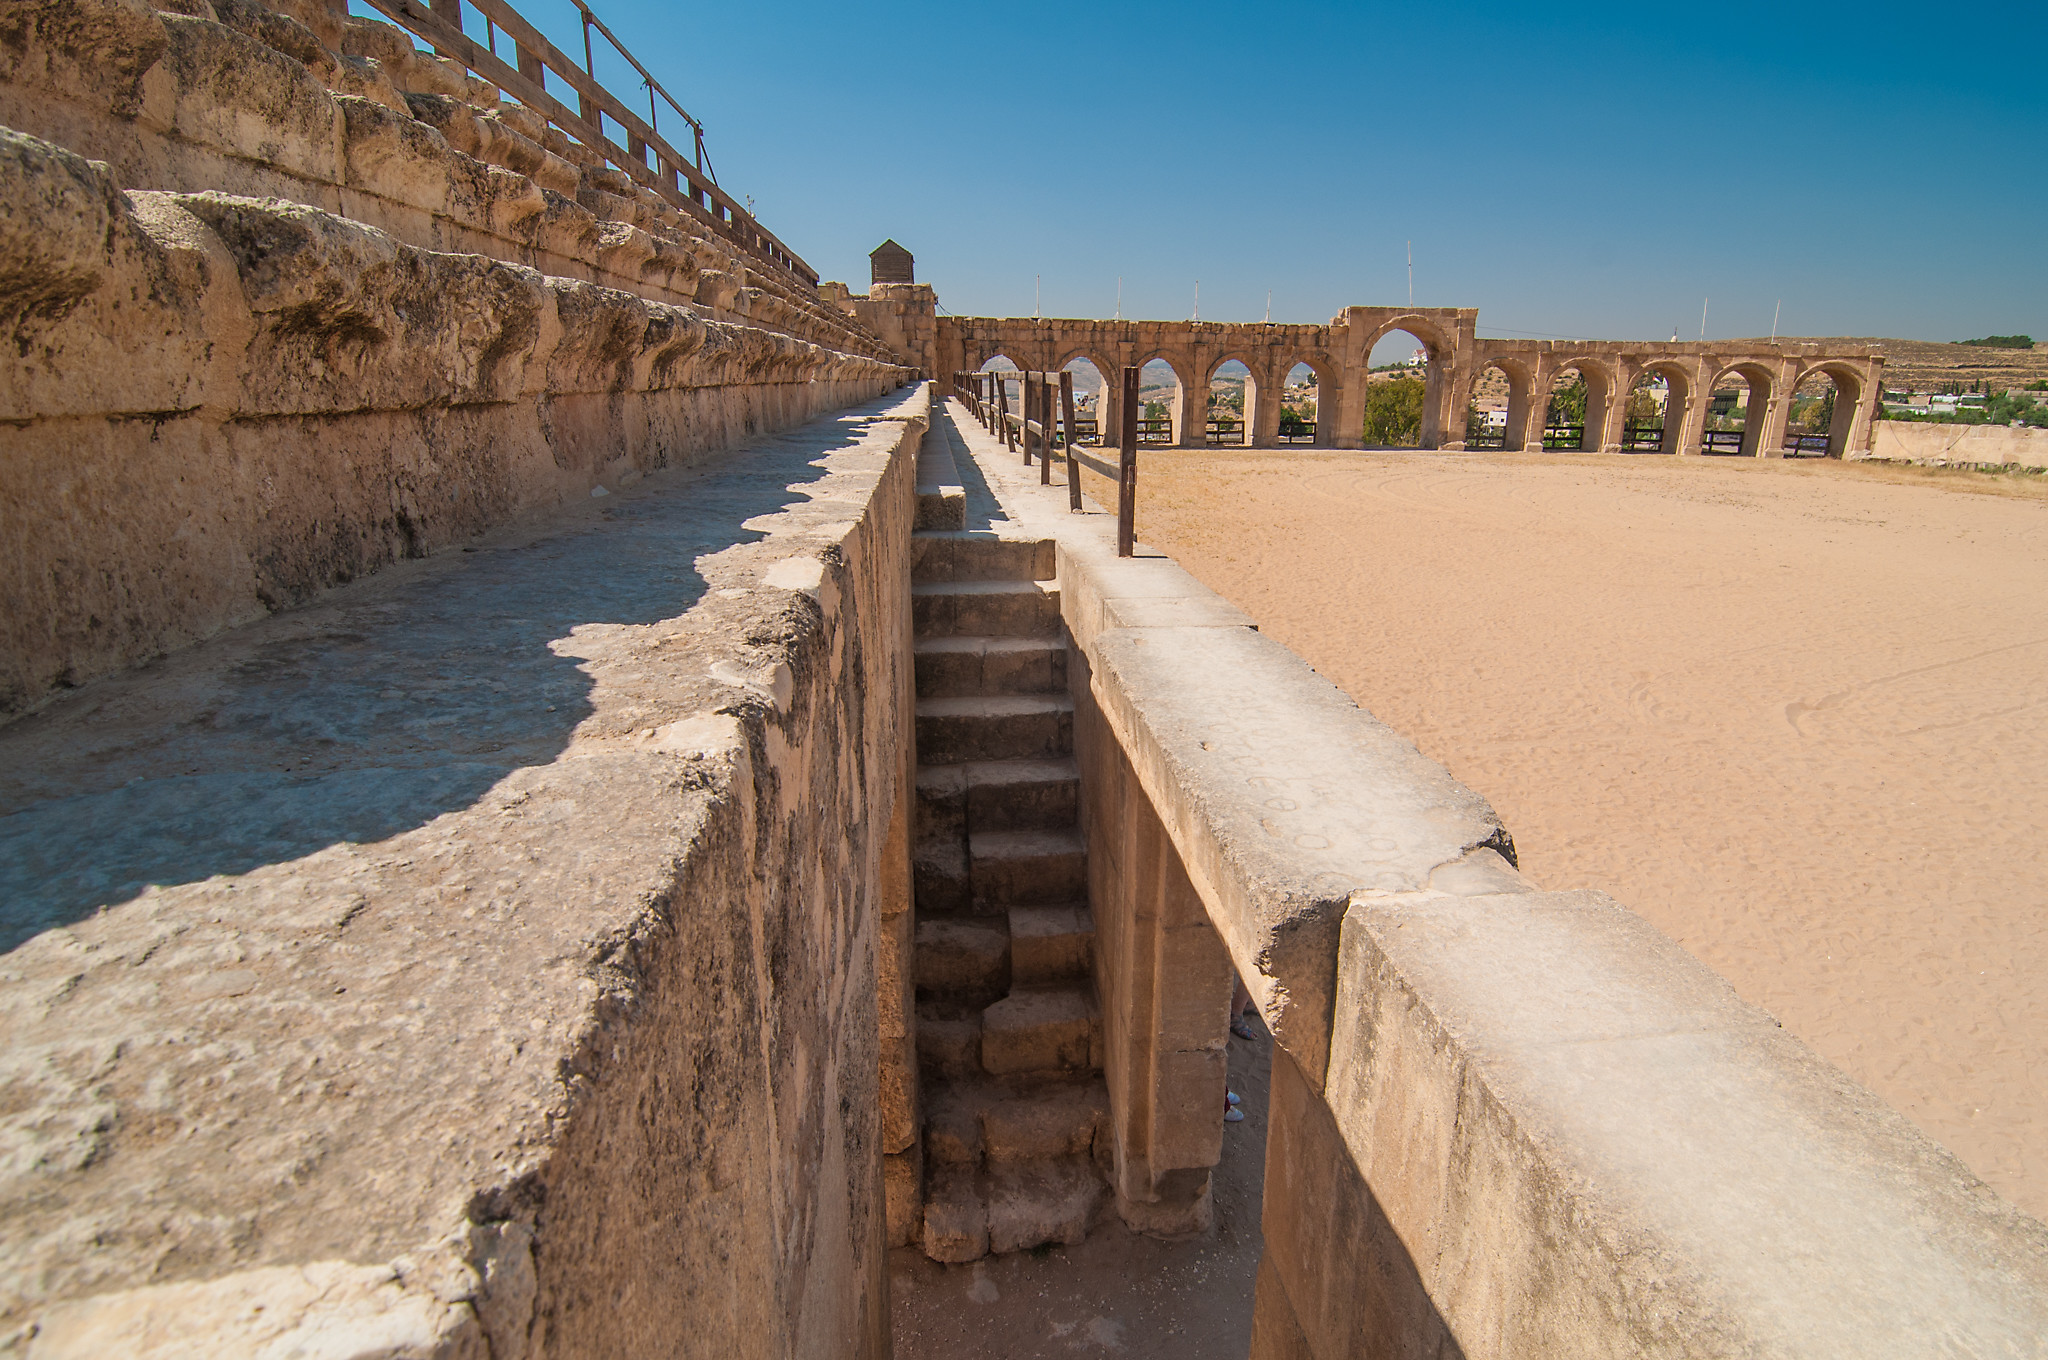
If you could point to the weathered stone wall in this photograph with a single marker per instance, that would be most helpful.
(216, 406)
(298, 101)
(1960, 445)
(481, 960)
(1506, 1122)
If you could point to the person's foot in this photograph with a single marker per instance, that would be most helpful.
(1242, 1030)
(1232, 1115)
(1230, 1098)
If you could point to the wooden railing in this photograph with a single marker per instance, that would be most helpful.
(1564, 436)
(1155, 430)
(1806, 446)
(1226, 432)
(1642, 439)
(685, 182)
(1297, 431)
(1721, 442)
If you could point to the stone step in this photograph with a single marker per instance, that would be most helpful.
(1026, 868)
(1051, 944)
(996, 795)
(1006, 1120)
(985, 609)
(949, 667)
(938, 874)
(1014, 1206)
(1042, 1029)
(979, 555)
(1005, 727)
(962, 959)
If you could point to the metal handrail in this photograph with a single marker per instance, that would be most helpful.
(440, 26)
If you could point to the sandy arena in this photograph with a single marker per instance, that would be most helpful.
(1795, 714)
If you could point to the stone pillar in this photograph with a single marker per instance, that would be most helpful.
(1436, 387)
(1604, 410)
(1778, 411)
(1109, 405)
(1163, 979)
(1540, 383)
(1263, 395)
(1190, 406)
(1863, 415)
(1349, 408)
(1692, 413)
(1763, 428)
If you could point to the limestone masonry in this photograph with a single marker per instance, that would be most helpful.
(562, 794)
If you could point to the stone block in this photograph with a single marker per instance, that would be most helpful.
(956, 1217)
(962, 957)
(1183, 1205)
(1023, 795)
(1031, 1203)
(1025, 727)
(898, 1092)
(947, 1049)
(938, 875)
(903, 1189)
(1027, 868)
(1058, 1122)
(1050, 944)
(953, 1127)
(1039, 1030)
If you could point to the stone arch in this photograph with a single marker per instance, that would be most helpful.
(1844, 396)
(1324, 369)
(1439, 349)
(1255, 380)
(1598, 375)
(1103, 410)
(1761, 384)
(1515, 419)
(1668, 433)
(1188, 401)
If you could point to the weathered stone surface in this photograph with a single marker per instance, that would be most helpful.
(1060, 1121)
(1030, 1203)
(956, 1217)
(176, 356)
(447, 910)
(1049, 1029)
(962, 958)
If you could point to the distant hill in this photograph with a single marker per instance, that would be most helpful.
(1929, 365)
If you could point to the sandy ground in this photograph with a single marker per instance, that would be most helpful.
(1796, 714)
(1118, 1293)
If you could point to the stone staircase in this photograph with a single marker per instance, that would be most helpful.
(1009, 1035)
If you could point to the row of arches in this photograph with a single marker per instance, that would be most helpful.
(1656, 406)
(1222, 402)
(1388, 377)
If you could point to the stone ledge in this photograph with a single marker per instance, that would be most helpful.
(380, 933)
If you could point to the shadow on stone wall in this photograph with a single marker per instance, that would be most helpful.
(362, 716)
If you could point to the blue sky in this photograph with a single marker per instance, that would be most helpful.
(1571, 170)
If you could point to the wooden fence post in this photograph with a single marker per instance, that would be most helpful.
(1048, 427)
(1067, 413)
(1127, 470)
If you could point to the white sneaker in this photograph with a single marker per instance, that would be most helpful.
(1233, 1115)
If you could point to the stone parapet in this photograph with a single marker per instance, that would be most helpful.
(218, 406)
(482, 960)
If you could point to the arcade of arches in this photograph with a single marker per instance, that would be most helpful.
(1681, 390)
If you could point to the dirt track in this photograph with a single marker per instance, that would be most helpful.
(1794, 714)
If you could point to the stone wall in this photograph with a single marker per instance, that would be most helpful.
(1993, 446)
(481, 960)
(301, 102)
(1506, 1122)
(217, 406)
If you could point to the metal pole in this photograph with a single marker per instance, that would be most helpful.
(1127, 469)
(1073, 467)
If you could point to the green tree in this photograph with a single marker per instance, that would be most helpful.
(1641, 412)
(1393, 413)
(1568, 403)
